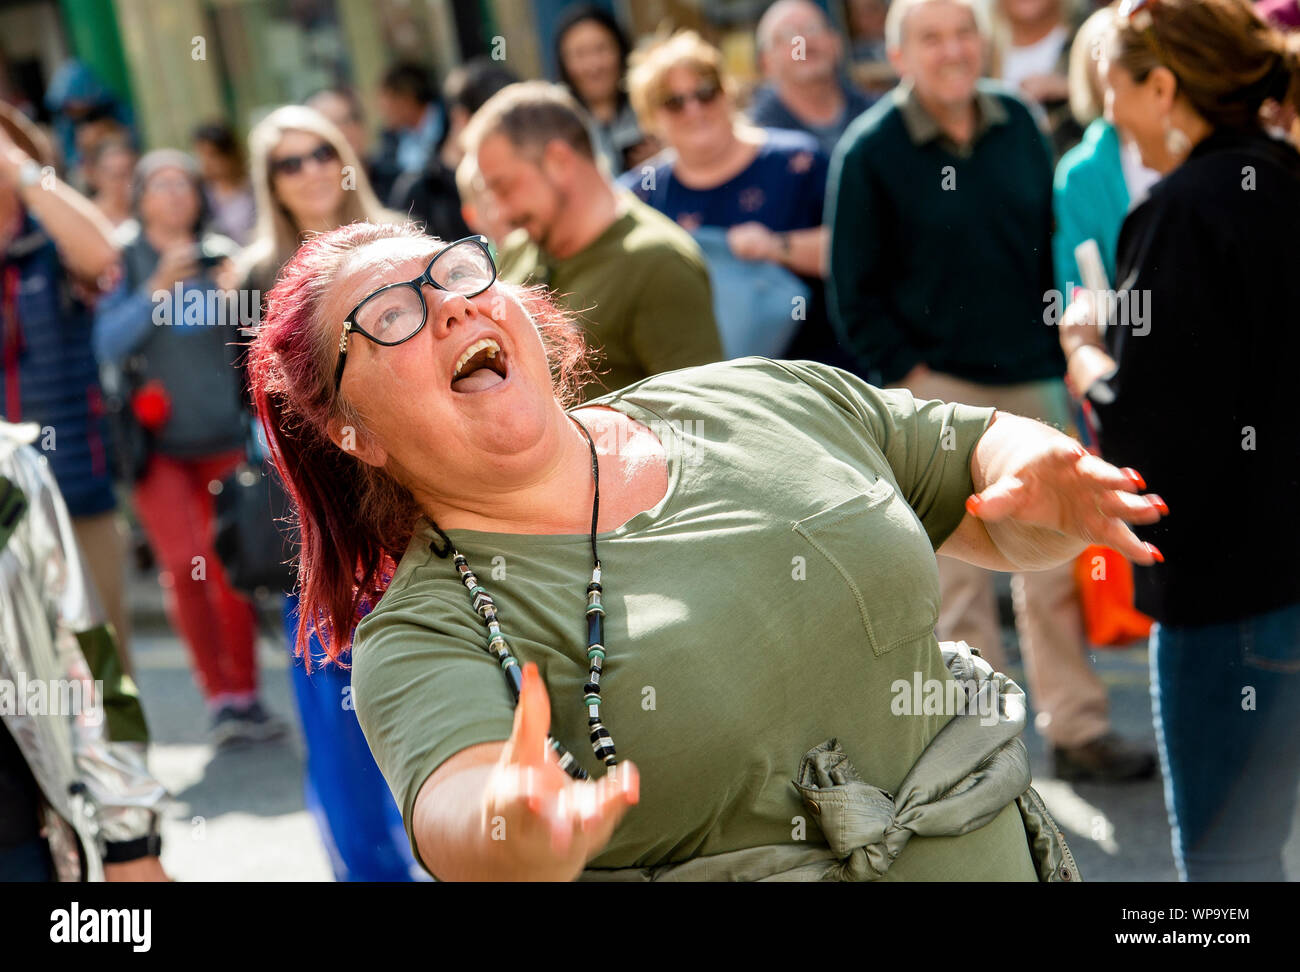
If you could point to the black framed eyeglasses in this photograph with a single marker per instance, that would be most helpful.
(398, 312)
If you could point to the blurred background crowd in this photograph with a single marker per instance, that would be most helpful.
(701, 179)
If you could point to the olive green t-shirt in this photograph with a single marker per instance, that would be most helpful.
(767, 603)
(640, 291)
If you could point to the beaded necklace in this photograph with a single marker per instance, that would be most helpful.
(602, 743)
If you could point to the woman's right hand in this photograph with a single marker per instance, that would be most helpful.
(178, 261)
(552, 824)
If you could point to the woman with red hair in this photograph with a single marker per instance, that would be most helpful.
(721, 566)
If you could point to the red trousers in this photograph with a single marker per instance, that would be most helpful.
(175, 508)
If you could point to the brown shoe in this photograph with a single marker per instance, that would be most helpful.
(1109, 758)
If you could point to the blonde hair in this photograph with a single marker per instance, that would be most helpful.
(649, 69)
(1086, 86)
(275, 236)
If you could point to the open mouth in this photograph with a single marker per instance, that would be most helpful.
(481, 366)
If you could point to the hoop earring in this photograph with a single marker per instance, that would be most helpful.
(1176, 141)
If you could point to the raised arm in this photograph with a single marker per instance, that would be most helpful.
(991, 488)
(78, 229)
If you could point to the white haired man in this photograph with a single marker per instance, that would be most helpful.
(940, 208)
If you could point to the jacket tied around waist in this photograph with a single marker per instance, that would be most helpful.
(971, 770)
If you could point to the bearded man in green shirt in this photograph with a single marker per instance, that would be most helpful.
(636, 281)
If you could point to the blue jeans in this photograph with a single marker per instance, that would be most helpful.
(358, 820)
(1226, 704)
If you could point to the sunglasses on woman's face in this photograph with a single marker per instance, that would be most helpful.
(705, 94)
(292, 164)
(398, 312)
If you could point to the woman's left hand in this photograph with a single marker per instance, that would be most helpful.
(753, 241)
(1054, 483)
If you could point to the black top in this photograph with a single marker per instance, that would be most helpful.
(1203, 400)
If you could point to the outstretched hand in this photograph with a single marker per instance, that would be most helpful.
(1062, 487)
(558, 823)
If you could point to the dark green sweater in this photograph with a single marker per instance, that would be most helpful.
(940, 257)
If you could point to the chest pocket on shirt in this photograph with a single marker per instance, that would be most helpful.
(877, 546)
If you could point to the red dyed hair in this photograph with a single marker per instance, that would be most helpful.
(354, 521)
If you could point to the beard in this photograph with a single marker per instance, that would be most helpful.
(560, 203)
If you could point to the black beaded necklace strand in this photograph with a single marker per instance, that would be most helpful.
(602, 743)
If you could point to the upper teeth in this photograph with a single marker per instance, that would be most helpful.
(487, 343)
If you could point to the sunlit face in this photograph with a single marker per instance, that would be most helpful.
(940, 51)
(694, 113)
(524, 195)
(442, 432)
(314, 193)
(802, 47)
(1137, 111)
(591, 57)
(169, 201)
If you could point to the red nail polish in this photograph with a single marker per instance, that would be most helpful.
(973, 504)
(1136, 476)
(1074, 294)
(1159, 504)
(1155, 552)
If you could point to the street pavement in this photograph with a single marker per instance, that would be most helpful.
(238, 815)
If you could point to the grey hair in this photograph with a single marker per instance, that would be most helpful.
(767, 23)
(899, 9)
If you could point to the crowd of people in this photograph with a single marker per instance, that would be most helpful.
(805, 268)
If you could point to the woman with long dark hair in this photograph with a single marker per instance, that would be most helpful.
(1194, 380)
(591, 53)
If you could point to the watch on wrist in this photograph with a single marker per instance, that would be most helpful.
(120, 852)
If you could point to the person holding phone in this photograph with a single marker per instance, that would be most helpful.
(172, 327)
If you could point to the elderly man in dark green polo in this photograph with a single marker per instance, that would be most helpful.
(940, 208)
